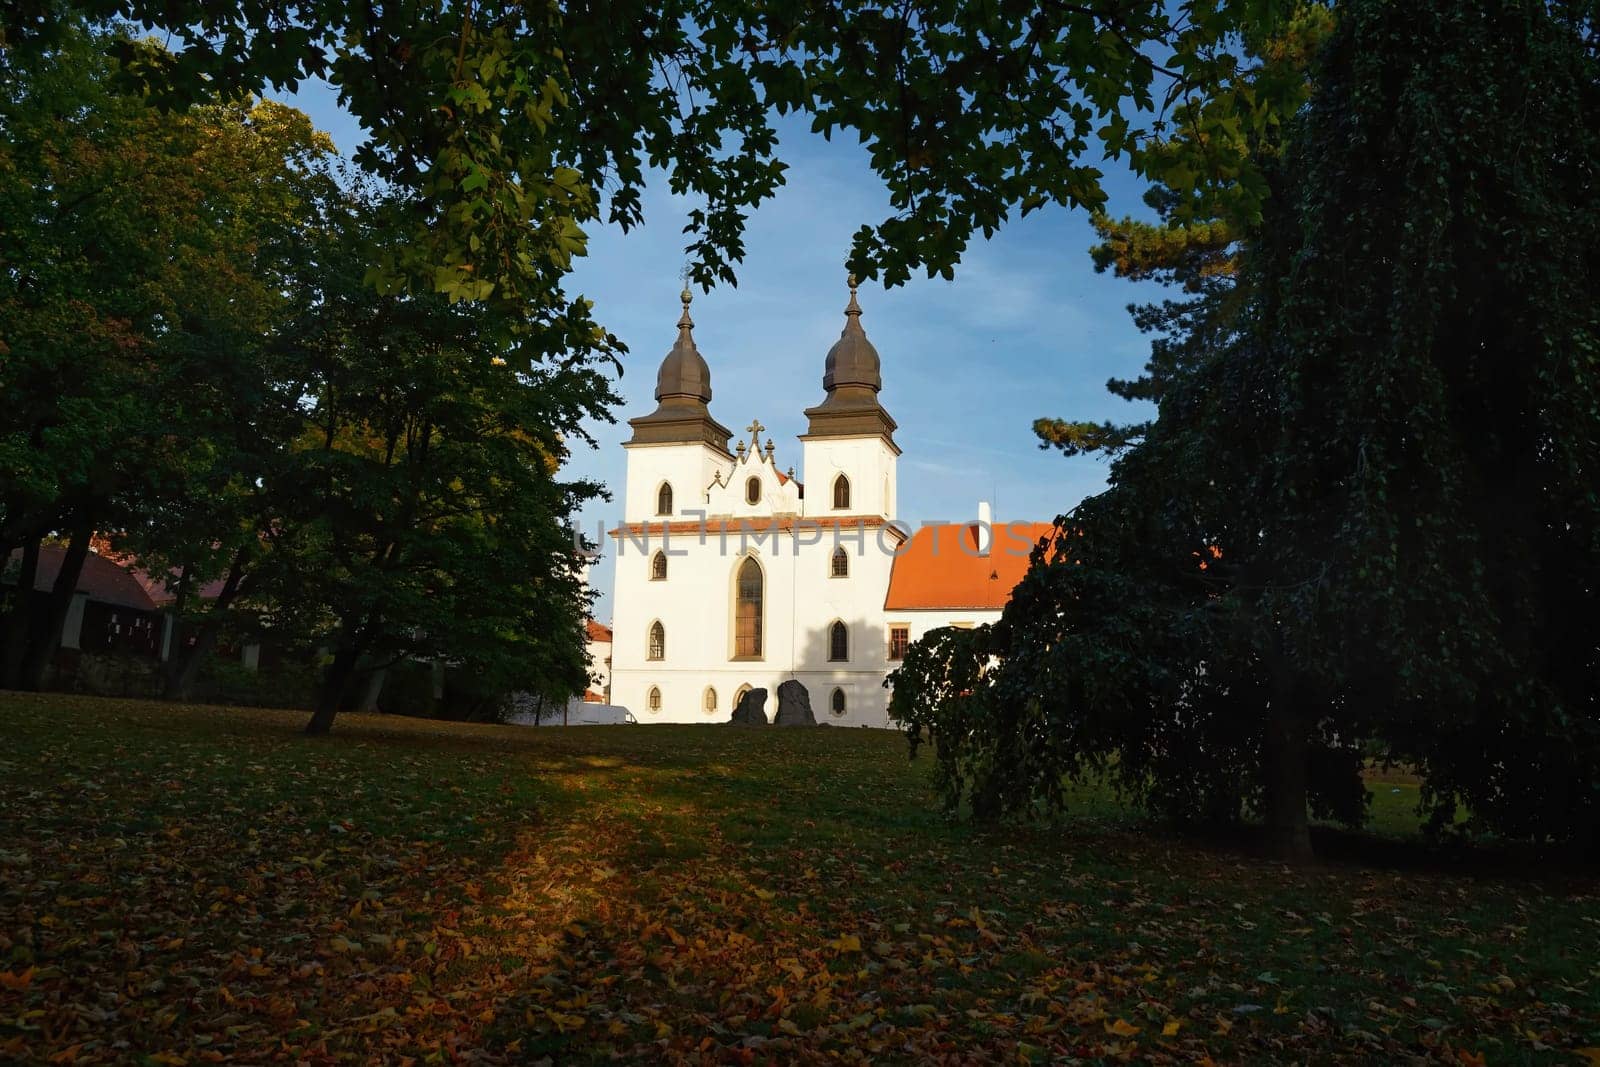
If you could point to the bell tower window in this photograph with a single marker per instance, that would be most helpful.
(840, 565)
(841, 493)
(658, 642)
(664, 499)
(658, 567)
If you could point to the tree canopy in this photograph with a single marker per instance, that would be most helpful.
(420, 507)
(196, 368)
(143, 258)
(511, 126)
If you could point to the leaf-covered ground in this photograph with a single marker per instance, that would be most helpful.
(190, 885)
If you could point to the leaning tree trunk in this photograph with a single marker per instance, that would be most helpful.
(47, 638)
(18, 620)
(185, 666)
(1285, 752)
(335, 683)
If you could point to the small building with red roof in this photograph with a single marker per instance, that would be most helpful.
(598, 645)
(111, 610)
(956, 574)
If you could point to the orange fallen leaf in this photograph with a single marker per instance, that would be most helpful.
(1122, 1028)
(15, 982)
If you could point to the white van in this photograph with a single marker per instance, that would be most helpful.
(582, 713)
(577, 713)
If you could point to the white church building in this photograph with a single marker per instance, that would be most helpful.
(732, 574)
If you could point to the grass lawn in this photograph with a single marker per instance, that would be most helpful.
(190, 884)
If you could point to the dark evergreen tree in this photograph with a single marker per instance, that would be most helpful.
(1365, 511)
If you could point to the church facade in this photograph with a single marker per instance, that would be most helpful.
(732, 574)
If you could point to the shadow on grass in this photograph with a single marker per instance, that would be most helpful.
(637, 892)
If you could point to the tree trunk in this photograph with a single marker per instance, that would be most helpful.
(184, 668)
(47, 638)
(1285, 751)
(18, 620)
(335, 682)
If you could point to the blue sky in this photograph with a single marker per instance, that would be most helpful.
(1026, 329)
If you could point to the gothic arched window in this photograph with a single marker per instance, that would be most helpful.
(752, 490)
(658, 567)
(841, 493)
(653, 701)
(840, 565)
(658, 642)
(747, 609)
(838, 642)
(836, 702)
(664, 499)
(709, 701)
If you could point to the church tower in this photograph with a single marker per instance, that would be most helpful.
(849, 450)
(678, 449)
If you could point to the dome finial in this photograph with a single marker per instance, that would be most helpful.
(852, 308)
(684, 321)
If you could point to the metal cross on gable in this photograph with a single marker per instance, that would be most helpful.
(754, 430)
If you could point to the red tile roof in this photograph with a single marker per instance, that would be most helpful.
(599, 632)
(157, 589)
(102, 579)
(158, 586)
(941, 567)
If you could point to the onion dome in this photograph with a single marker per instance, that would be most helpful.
(852, 360)
(684, 372)
(852, 381)
(683, 389)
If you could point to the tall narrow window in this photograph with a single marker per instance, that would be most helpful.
(658, 567)
(658, 642)
(709, 701)
(838, 643)
(752, 491)
(840, 567)
(899, 640)
(841, 493)
(664, 499)
(747, 611)
(836, 702)
(653, 701)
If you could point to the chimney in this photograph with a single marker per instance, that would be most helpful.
(985, 528)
